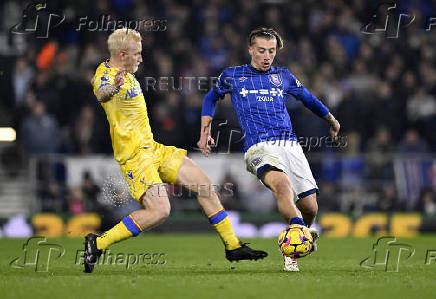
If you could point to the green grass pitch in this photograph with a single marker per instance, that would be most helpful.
(195, 267)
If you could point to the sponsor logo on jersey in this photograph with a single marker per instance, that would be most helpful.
(275, 79)
(242, 79)
(133, 92)
(263, 95)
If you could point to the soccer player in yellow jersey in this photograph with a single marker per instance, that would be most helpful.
(146, 164)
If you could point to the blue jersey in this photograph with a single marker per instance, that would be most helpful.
(259, 99)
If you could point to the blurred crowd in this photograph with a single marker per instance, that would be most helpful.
(382, 90)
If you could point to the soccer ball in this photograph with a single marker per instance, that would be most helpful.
(295, 241)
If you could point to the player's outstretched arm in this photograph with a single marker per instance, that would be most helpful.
(334, 125)
(207, 113)
(317, 107)
(106, 92)
(205, 137)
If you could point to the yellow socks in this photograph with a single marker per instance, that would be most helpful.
(123, 230)
(128, 228)
(222, 224)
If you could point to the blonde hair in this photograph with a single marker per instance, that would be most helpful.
(120, 38)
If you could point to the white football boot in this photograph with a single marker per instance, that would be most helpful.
(315, 236)
(290, 264)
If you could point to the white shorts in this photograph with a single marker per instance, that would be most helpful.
(286, 156)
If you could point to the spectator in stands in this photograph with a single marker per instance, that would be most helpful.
(39, 131)
(52, 197)
(229, 193)
(76, 203)
(169, 121)
(324, 40)
(329, 198)
(90, 191)
(421, 113)
(388, 200)
(427, 202)
(84, 133)
(380, 150)
(22, 77)
(379, 88)
(259, 199)
(412, 143)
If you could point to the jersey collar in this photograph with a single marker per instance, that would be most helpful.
(269, 71)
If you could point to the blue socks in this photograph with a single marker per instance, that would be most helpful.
(297, 220)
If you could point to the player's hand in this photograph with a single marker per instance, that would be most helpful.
(334, 129)
(119, 78)
(204, 144)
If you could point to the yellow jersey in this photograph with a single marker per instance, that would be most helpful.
(126, 112)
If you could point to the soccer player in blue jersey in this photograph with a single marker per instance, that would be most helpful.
(258, 94)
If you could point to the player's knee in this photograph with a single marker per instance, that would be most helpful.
(310, 210)
(162, 212)
(281, 188)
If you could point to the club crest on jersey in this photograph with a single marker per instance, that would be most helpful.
(104, 78)
(275, 79)
(242, 79)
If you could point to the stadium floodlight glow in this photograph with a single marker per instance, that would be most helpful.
(7, 134)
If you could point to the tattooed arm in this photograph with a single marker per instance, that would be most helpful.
(105, 93)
